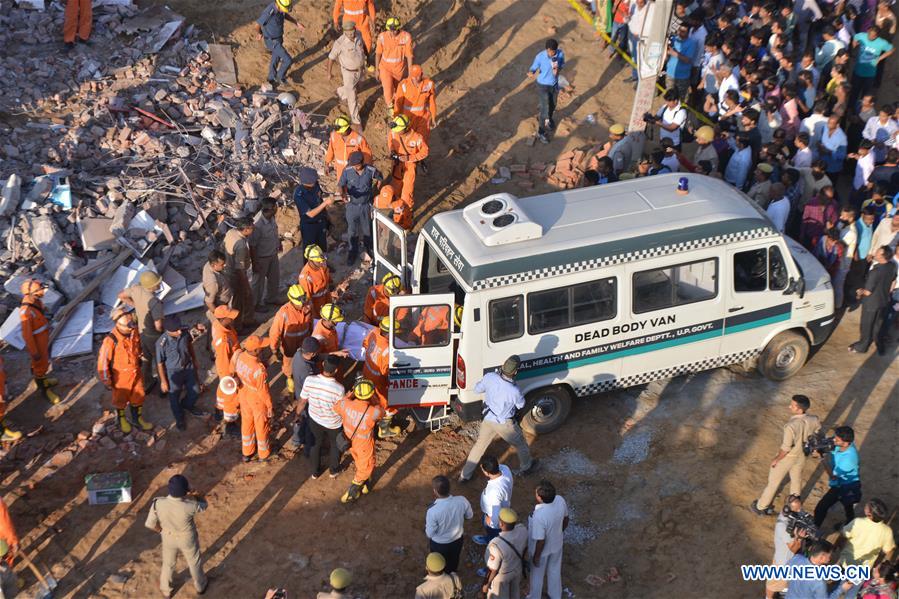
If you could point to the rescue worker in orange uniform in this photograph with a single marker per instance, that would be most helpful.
(8, 435)
(343, 142)
(361, 12)
(326, 331)
(395, 209)
(315, 278)
(290, 327)
(255, 400)
(377, 300)
(376, 353)
(407, 148)
(359, 413)
(119, 368)
(8, 532)
(415, 98)
(224, 344)
(78, 20)
(432, 327)
(393, 58)
(36, 333)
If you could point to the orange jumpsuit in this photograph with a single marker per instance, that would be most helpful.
(328, 341)
(402, 214)
(289, 329)
(410, 147)
(433, 325)
(377, 304)
(361, 12)
(395, 51)
(79, 17)
(118, 367)
(255, 403)
(418, 103)
(340, 147)
(316, 282)
(376, 367)
(224, 344)
(36, 333)
(2, 390)
(358, 425)
(7, 530)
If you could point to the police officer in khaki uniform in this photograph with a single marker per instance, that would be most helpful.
(173, 518)
(437, 583)
(237, 252)
(148, 308)
(504, 558)
(349, 51)
(265, 244)
(790, 459)
(216, 286)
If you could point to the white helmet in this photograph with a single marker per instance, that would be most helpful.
(228, 385)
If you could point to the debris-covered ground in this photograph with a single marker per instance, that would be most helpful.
(153, 152)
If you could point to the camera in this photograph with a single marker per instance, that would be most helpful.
(818, 442)
(672, 39)
(801, 521)
(649, 117)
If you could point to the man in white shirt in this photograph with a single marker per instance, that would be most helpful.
(779, 209)
(712, 59)
(880, 130)
(671, 118)
(638, 12)
(445, 522)
(496, 495)
(864, 166)
(886, 234)
(849, 236)
(727, 80)
(803, 157)
(320, 392)
(546, 527)
(814, 124)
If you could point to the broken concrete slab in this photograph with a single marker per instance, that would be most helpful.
(11, 330)
(12, 195)
(96, 234)
(125, 277)
(192, 299)
(222, 59)
(76, 336)
(59, 262)
(102, 322)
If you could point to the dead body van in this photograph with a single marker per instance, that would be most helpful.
(596, 289)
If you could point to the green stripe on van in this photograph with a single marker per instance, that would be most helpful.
(757, 323)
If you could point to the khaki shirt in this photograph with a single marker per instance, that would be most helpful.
(758, 193)
(265, 237)
(216, 286)
(331, 595)
(706, 152)
(503, 559)
(796, 431)
(438, 587)
(350, 54)
(148, 309)
(237, 250)
(175, 515)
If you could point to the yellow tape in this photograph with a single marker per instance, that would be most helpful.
(577, 6)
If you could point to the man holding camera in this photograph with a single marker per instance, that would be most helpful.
(791, 458)
(787, 542)
(842, 468)
(670, 119)
(681, 52)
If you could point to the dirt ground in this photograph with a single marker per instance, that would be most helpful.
(658, 478)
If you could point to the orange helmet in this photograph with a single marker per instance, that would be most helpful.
(32, 286)
(415, 71)
(384, 199)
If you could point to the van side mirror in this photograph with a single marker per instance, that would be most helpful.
(795, 286)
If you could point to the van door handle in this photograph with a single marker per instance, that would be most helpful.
(736, 309)
(400, 364)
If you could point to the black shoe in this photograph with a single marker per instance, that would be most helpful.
(70, 46)
(529, 469)
(317, 475)
(219, 415)
(247, 459)
(197, 412)
(755, 509)
(181, 425)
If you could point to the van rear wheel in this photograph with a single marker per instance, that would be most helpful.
(546, 409)
(783, 356)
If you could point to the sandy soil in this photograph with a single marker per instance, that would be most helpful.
(658, 478)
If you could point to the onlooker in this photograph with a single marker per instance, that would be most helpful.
(681, 53)
(546, 68)
(779, 209)
(546, 527)
(819, 553)
(875, 300)
(738, 166)
(842, 468)
(832, 146)
(671, 118)
(339, 580)
(881, 130)
(785, 544)
(320, 392)
(495, 496)
(882, 584)
(820, 214)
(445, 522)
(849, 238)
(872, 50)
(302, 367)
(869, 537)
(437, 583)
(761, 186)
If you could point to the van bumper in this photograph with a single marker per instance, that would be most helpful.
(821, 329)
(467, 411)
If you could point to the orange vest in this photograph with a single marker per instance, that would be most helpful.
(410, 144)
(355, 10)
(35, 326)
(290, 327)
(359, 417)
(119, 355)
(377, 355)
(402, 214)
(317, 284)
(341, 146)
(416, 100)
(327, 338)
(251, 374)
(377, 304)
(433, 325)
(224, 343)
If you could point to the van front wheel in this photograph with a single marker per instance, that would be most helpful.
(783, 356)
(546, 409)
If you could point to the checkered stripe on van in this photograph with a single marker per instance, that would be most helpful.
(648, 377)
(594, 263)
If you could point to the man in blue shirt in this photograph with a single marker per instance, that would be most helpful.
(357, 188)
(313, 210)
(819, 553)
(872, 49)
(178, 367)
(502, 400)
(842, 468)
(681, 52)
(545, 69)
(270, 26)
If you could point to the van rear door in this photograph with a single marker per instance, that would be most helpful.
(421, 350)
(390, 249)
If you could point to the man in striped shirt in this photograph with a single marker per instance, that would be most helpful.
(320, 392)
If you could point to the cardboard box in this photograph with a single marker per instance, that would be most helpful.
(108, 487)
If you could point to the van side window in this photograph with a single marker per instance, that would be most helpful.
(506, 318)
(760, 269)
(571, 306)
(670, 286)
(777, 269)
(422, 326)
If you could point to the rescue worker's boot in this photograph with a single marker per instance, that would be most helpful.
(354, 251)
(290, 386)
(51, 381)
(123, 422)
(365, 488)
(353, 493)
(8, 435)
(386, 431)
(46, 392)
(137, 417)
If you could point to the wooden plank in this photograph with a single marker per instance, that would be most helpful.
(222, 59)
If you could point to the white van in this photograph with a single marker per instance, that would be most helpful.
(596, 289)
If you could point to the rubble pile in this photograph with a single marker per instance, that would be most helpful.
(127, 154)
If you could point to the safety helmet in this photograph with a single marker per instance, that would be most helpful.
(284, 5)
(315, 254)
(386, 324)
(32, 286)
(297, 295)
(392, 23)
(342, 124)
(392, 284)
(122, 310)
(363, 388)
(457, 315)
(415, 71)
(228, 385)
(400, 123)
(149, 279)
(332, 312)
